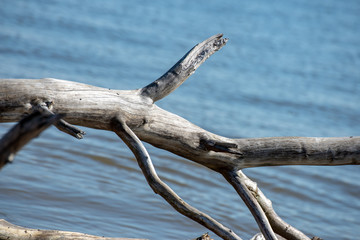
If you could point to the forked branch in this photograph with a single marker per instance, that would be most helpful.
(134, 116)
(279, 225)
(159, 187)
(239, 185)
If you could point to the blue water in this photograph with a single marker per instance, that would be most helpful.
(290, 68)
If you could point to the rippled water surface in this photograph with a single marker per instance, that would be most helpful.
(290, 68)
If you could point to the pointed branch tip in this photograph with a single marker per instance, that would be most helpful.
(186, 66)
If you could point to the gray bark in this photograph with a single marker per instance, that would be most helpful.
(239, 185)
(159, 187)
(133, 115)
(94, 107)
(279, 226)
(25, 130)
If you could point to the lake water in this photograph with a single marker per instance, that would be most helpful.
(290, 68)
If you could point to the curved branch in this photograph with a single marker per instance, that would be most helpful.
(280, 226)
(25, 130)
(159, 187)
(238, 182)
(186, 66)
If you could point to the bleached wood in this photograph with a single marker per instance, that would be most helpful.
(13, 232)
(96, 107)
(186, 66)
(240, 187)
(159, 187)
(279, 225)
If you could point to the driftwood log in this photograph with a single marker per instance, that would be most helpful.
(134, 117)
(11, 231)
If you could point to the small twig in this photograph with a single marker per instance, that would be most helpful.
(62, 125)
(238, 183)
(159, 187)
(280, 226)
(25, 130)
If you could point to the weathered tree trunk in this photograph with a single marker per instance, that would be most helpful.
(134, 116)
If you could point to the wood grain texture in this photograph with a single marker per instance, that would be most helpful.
(186, 66)
(13, 232)
(94, 107)
(137, 117)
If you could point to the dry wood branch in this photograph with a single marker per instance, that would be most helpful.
(238, 183)
(10, 231)
(25, 130)
(280, 226)
(186, 66)
(96, 107)
(159, 187)
(62, 125)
